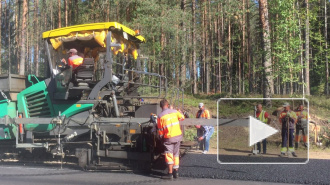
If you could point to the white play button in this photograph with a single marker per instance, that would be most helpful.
(259, 131)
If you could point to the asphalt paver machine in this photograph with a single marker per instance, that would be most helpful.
(97, 114)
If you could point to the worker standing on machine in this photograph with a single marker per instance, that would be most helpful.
(74, 60)
(169, 129)
(288, 119)
(301, 125)
(263, 116)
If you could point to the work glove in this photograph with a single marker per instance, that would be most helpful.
(288, 115)
(153, 118)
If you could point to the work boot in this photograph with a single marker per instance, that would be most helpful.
(294, 154)
(167, 177)
(282, 154)
(306, 145)
(175, 174)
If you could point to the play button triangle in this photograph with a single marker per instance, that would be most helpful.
(259, 131)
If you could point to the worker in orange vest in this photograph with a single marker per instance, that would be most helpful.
(74, 60)
(302, 124)
(169, 129)
(204, 132)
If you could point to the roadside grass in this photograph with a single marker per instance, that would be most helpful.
(210, 102)
(319, 105)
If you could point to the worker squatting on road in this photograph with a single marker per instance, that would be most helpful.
(301, 126)
(288, 119)
(74, 60)
(169, 129)
(204, 133)
(263, 116)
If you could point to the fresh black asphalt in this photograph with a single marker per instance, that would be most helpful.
(206, 166)
(194, 169)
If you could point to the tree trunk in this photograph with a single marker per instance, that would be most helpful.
(326, 48)
(193, 38)
(307, 49)
(108, 11)
(0, 35)
(69, 10)
(17, 31)
(59, 13)
(45, 27)
(183, 46)
(75, 11)
(203, 46)
(32, 30)
(220, 36)
(210, 50)
(239, 72)
(36, 47)
(51, 16)
(301, 58)
(267, 60)
(249, 50)
(23, 39)
(243, 47)
(177, 63)
(291, 81)
(162, 53)
(207, 52)
(9, 42)
(230, 61)
(66, 12)
(128, 15)
(27, 64)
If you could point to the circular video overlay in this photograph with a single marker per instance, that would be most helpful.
(263, 131)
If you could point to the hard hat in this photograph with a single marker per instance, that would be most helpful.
(286, 104)
(72, 50)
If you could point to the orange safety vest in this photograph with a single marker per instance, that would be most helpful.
(302, 113)
(168, 123)
(205, 114)
(262, 117)
(75, 61)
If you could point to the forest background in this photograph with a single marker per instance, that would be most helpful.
(279, 47)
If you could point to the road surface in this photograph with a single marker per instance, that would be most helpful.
(194, 169)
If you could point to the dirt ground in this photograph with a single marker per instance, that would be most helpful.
(234, 141)
(271, 153)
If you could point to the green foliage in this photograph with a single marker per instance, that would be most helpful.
(168, 32)
(325, 138)
(190, 133)
(287, 44)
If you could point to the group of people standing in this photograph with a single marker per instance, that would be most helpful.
(291, 121)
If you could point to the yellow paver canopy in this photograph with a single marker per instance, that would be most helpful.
(93, 37)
